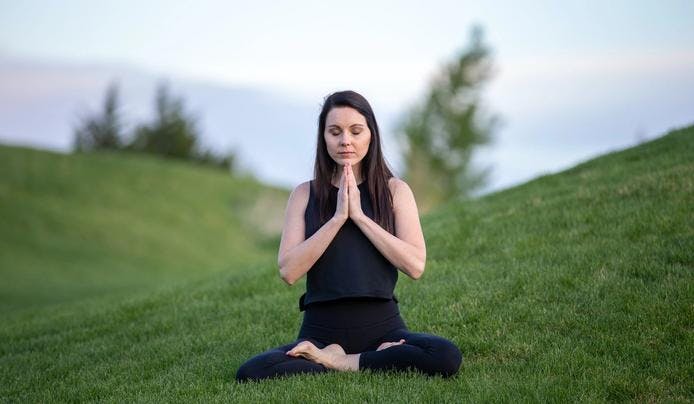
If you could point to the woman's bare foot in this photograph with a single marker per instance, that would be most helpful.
(386, 345)
(325, 356)
(332, 356)
(334, 349)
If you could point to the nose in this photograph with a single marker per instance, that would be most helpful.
(344, 139)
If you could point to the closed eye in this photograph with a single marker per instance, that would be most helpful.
(335, 133)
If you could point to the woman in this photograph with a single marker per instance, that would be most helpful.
(350, 229)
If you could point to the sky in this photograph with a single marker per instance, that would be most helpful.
(573, 78)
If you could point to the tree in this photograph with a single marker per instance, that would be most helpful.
(227, 161)
(172, 134)
(439, 134)
(101, 131)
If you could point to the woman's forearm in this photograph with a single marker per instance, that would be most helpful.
(409, 258)
(297, 261)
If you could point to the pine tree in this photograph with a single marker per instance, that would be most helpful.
(102, 131)
(440, 134)
(173, 133)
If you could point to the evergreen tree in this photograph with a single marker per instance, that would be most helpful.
(101, 131)
(440, 134)
(173, 133)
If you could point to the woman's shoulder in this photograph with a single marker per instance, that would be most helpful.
(395, 184)
(302, 189)
(301, 193)
(401, 192)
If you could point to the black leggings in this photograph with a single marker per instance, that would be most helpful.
(359, 327)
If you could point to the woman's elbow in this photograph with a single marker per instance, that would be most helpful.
(284, 274)
(288, 279)
(417, 270)
(420, 261)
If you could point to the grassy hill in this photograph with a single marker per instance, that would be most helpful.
(75, 226)
(574, 286)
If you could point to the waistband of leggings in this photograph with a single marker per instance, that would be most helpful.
(349, 313)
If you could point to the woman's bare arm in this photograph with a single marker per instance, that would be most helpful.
(406, 250)
(298, 254)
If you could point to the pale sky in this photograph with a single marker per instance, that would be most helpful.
(304, 46)
(625, 69)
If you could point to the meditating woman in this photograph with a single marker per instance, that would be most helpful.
(350, 230)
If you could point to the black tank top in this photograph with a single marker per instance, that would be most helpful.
(351, 267)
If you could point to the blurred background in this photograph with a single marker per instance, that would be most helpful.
(481, 95)
(571, 79)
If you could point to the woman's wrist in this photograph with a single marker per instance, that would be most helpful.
(358, 218)
(340, 220)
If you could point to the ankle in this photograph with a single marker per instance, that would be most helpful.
(347, 362)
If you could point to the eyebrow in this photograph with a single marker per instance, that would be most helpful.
(336, 126)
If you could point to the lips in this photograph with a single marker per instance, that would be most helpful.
(345, 153)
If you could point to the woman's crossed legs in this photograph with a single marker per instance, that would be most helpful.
(399, 349)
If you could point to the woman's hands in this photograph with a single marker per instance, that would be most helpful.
(355, 211)
(348, 196)
(342, 208)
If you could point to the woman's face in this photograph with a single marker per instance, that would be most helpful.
(346, 135)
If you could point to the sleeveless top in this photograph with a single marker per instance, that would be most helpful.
(351, 266)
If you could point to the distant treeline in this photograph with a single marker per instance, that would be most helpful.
(173, 132)
(438, 133)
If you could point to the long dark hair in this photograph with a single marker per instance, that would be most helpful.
(374, 169)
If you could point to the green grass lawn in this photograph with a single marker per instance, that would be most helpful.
(100, 224)
(572, 287)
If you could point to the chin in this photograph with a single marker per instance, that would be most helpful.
(349, 159)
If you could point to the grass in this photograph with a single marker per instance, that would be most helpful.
(573, 287)
(102, 224)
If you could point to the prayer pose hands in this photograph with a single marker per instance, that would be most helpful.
(348, 196)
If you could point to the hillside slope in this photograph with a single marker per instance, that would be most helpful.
(575, 286)
(75, 226)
